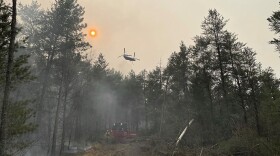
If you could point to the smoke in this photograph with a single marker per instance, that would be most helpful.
(105, 103)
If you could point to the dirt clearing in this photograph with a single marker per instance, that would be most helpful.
(130, 148)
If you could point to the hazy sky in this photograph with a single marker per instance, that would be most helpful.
(153, 29)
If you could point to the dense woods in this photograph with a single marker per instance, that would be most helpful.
(54, 96)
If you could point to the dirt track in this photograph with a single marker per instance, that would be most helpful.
(129, 148)
(120, 149)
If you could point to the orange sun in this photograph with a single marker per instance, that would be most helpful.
(92, 33)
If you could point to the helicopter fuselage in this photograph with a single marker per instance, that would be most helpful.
(129, 58)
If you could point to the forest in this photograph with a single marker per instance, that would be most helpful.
(54, 96)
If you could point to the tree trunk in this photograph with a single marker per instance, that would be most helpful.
(49, 132)
(70, 136)
(240, 93)
(63, 121)
(223, 112)
(163, 108)
(242, 101)
(256, 109)
(8, 80)
(44, 88)
(78, 129)
(145, 102)
(222, 75)
(208, 87)
(53, 149)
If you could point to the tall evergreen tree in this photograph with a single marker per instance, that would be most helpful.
(179, 72)
(269, 104)
(274, 21)
(204, 104)
(154, 98)
(68, 15)
(11, 50)
(213, 28)
(15, 112)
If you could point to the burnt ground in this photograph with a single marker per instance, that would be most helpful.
(128, 148)
(138, 147)
(120, 149)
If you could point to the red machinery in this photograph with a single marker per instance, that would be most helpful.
(120, 131)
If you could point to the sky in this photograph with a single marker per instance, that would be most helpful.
(153, 29)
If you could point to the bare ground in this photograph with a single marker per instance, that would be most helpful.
(138, 147)
(129, 148)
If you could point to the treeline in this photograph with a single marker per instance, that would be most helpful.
(60, 98)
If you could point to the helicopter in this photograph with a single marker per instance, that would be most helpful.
(129, 57)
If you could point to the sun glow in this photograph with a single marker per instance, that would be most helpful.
(92, 33)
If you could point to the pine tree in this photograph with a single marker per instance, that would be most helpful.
(11, 49)
(213, 28)
(15, 112)
(71, 44)
(4, 39)
(269, 104)
(252, 70)
(204, 104)
(154, 98)
(179, 71)
(274, 20)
